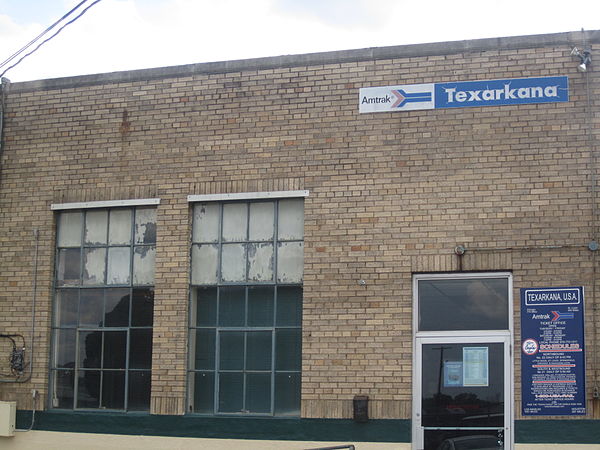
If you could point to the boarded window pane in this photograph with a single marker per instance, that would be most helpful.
(118, 265)
(115, 350)
(205, 261)
(119, 231)
(94, 266)
(260, 306)
(142, 307)
(69, 229)
(231, 350)
(287, 394)
(291, 219)
(113, 389)
(145, 226)
(233, 263)
(116, 309)
(66, 307)
(206, 223)
(140, 348)
(204, 392)
(288, 344)
(261, 221)
(91, 307)
(290, 262)
(143, 265)
(206, 307)
(258, 352)
(234, 221)
(232, 307)
(139, 391)
(231, 392)
(96, 224)
(260, 262)
(68, 270)
(258, 392)
(289, 306)
(205, 349)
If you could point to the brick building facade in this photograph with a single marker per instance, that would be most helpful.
(385, 197)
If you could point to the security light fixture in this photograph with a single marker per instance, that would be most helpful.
(585, 57)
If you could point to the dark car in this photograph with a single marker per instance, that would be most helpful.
(471, 443)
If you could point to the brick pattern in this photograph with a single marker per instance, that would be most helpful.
(390, 194)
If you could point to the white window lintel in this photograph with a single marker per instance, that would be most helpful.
(105, 204)
(246, 196)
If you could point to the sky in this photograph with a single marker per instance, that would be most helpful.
(115, 35)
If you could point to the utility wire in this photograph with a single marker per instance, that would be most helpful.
(14, 55)
(46, 40)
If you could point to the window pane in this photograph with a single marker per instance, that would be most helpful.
(116, 309)
(258, 392)
(261, 221)
(139, 391)
(91, 311)
(463, 304)
(115, 350)
(142, 307)
(288, 344)
(88, 389)
(231, 350)
(287, 394)
(94, 266)
(260, 262)
(291, 219)
(260, 306)
(233, 263)
(118, 265)
(258, 353)
(140, 349)
(143, 265)
(96, 223)
(290, 262)
(69, 229)
(205, 264)
(204, 392)
(206, 223)
(64, 353)
(231, 392)
(119, 230)
(145, 226)
(232, 307)
(206, 307)
(205, 350)
(289, 306)
(234, 221)
(90, 349)
(68, 267)
(113, 389)
(65, 313)
(64, 383)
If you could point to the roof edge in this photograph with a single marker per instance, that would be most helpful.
(570, 38)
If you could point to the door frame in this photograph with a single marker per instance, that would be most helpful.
(463, 336)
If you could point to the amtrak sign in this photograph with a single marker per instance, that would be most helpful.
(462, 94)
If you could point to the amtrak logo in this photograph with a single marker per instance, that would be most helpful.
(556, 315)
(402, 97)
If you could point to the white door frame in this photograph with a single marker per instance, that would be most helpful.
(468, 336)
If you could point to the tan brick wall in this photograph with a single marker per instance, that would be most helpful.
(390, 194)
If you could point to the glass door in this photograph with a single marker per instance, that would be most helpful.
(463, 387)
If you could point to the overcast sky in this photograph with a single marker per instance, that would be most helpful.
(134, 34)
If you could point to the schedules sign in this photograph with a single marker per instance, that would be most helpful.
(552, 351)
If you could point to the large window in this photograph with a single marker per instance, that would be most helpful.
(103, 309)
(246, 308)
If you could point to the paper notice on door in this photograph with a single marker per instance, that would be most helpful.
(475, 366)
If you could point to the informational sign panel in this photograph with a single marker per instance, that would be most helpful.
(552, 351)
(462, 94)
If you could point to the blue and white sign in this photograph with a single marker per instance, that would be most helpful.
(552, 351)
(461, 94)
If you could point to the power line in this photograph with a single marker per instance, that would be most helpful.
(42, 34)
